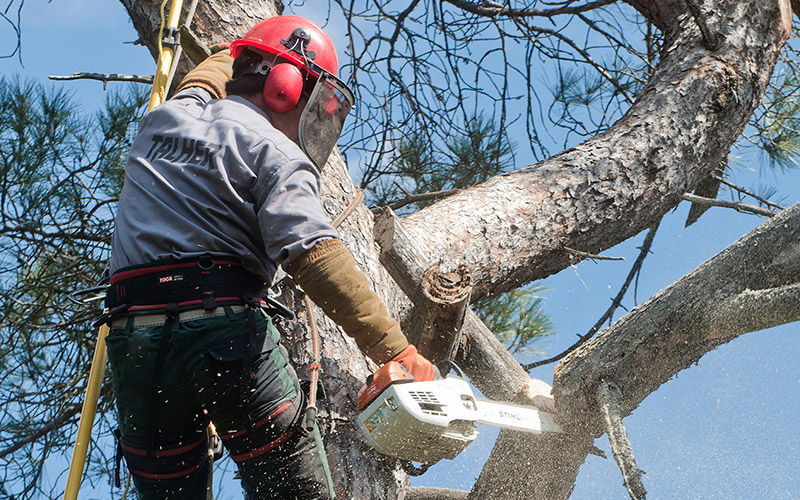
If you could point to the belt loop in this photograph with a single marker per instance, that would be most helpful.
(228, 312)
(209, 301)
(128, 326)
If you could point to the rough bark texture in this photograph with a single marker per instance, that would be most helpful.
(514, 228)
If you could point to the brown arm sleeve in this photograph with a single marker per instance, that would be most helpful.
(212, 74)
(330, 277)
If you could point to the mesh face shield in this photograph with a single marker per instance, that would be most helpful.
(322, 120)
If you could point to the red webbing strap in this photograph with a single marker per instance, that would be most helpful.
(316, 367)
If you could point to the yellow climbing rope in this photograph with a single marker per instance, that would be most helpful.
(87, 416)
(166, 53)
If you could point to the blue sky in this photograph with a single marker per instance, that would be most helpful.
(725, 429)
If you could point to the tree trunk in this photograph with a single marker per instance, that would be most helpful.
(515, 227)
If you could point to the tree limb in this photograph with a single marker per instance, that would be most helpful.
(692, 109)
(105, 78)
(608, 397)
(752, 284)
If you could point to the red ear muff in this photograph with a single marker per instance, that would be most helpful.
(283, 87)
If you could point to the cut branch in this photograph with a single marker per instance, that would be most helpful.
(486, 361)
(437, 321)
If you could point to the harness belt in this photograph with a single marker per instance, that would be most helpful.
(203, 282)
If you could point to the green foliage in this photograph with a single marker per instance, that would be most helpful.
(516, 317)
(60, 175)
(778, 120)
(467, 158)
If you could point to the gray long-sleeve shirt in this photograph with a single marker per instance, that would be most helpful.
(209, 176)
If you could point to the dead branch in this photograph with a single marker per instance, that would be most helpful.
(608, 397)
(592, 256)
(105, 78)
(644, 250)
(413, 198)
(736, 205)
(748, 193)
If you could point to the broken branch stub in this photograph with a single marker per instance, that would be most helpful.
(438, 319)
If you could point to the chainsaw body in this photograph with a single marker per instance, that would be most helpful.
(429, 421)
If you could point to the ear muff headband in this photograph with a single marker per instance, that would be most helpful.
(283, 87)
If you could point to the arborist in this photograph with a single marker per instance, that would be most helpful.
(222, 187)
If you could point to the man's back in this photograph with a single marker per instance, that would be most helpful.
(210, 177)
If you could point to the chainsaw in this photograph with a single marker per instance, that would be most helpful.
(429, 421)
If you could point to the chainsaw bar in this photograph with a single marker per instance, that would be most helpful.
(515, 417)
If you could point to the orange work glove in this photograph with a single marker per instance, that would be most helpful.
(416, 364)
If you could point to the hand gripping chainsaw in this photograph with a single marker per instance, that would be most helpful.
(428, 421)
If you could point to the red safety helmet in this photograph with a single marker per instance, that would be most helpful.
(294, 38)
(304, 58)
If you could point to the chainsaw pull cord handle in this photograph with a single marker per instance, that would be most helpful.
(316, 367)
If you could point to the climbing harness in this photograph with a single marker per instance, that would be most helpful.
(158, 94)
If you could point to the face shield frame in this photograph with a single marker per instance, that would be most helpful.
(322, 120)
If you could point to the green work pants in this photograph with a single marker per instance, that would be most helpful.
(224, 366)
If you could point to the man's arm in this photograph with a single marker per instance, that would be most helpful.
(211, 74)
(329, 275)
